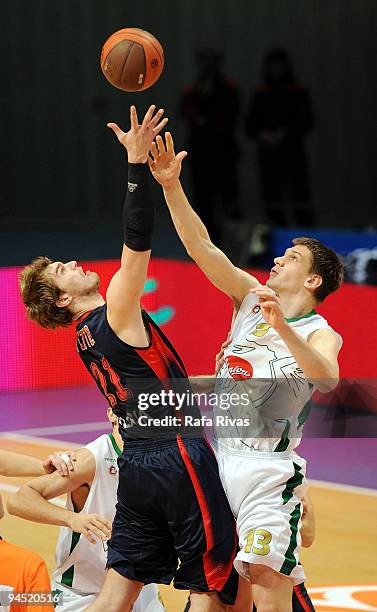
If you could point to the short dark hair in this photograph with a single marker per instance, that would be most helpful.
(326, 263)
(39, 294)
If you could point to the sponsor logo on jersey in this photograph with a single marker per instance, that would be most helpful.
(347, 598)
(112, 470)
(256, 309)
(261, 330)
(132, 187)
(239, 368)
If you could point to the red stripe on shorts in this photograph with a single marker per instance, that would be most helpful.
(301, 599)
(216, 574)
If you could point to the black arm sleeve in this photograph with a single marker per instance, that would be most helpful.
(138, 211)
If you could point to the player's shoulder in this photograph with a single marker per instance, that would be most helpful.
(315, 325)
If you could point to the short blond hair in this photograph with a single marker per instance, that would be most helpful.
(39, 294)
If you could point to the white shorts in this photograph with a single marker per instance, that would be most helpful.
(265, 491)
(149, 599)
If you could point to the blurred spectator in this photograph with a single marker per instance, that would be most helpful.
(211, 107)
(23, 570)
(278, 117)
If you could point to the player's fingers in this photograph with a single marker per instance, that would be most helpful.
(160, 126)
(148, 116)
(267, 295)
(103, 529)
(116, 129)
(269, 304)
(169, 143)
(71, 454)
(101, 535)
(89, 536)
(154, 151)
(226, 342)
(59, 461)
(181, 156)
(134, 119)
(48, 465)
(154, 120)
(160, 145)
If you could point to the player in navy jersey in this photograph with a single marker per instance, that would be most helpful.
(171, 504)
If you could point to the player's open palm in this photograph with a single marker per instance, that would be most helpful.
(91, 525)
(140, 136)
(165, 165)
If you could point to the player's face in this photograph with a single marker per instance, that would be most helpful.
(291, 270)
(71, 278)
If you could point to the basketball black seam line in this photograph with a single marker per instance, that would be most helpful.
(148, 40)
(125, 60)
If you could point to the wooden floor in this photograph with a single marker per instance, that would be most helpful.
(344, 553)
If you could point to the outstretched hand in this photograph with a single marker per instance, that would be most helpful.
(165, 165)
(137, 141)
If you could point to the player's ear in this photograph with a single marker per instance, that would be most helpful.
(111, 416)
(313, 281)
(63, 300)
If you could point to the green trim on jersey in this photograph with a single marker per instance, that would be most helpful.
(303, 415)
(293, 319)
(290, 560)
(115, 446)
(67, 577)
(284, 440)
(292, 483)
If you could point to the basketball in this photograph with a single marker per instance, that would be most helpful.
(132, 59)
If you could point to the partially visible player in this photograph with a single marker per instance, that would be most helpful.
(85, 522)
(281, 350)
(22, 571)
(171, 505)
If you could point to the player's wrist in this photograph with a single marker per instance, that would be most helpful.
(170, 187)
(137, 159)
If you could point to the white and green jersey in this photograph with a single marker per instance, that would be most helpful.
(81, 565)
(263, 395)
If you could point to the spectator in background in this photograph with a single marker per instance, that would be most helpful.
(278, 118)
(211, 108)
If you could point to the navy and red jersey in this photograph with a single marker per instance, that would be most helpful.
(140, 384)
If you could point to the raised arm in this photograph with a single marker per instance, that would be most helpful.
(127, 285)
(165, 166)
(31, 500)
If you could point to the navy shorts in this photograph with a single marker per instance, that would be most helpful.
(172, 506)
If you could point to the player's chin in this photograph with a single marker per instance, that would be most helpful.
(270, 282)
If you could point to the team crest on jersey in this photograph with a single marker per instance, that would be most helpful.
(112, 470)
(256, 309)
(239, 368)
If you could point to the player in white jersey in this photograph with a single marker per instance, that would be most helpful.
(85, 522)
(281, 350)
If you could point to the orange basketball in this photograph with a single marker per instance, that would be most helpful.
(132, 59)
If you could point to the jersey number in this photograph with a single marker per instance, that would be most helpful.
(258, 542)
(121, 394)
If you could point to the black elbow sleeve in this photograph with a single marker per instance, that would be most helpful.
(138, 211)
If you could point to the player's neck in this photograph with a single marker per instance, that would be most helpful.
(86, 303)
(296, 305)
